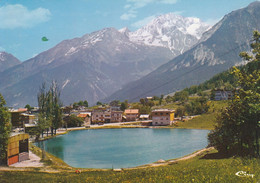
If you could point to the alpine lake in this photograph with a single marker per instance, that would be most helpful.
(124, 148)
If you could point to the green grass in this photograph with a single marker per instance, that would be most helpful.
(204, 121)
(167, 106)
(208, 167)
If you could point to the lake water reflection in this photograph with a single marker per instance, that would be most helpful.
(122, 148)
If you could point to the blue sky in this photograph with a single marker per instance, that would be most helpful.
(24, 22)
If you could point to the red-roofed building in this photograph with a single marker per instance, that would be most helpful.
(22, 109)
(86, 116)
(131, 114)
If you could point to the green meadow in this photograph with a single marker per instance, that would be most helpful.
(207, 167)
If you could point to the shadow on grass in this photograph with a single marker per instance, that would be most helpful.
(215, 155)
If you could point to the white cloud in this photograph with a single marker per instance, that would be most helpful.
(127, 16)
(130, 14)
(127, 6)
(134, 5)
(142, 22)
(17, 15)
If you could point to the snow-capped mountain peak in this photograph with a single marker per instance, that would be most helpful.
(170, 30)
(124, 30)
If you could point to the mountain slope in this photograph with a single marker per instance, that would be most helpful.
(7, 60)
(217, 51)
(96, 65)
(89, 68)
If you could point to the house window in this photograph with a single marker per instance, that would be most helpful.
(156, 113)
(161, 114)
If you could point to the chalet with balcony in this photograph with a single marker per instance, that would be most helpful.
(162, 117)
(101, 115)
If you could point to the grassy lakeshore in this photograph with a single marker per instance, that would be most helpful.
(205, 121)
(207, 167)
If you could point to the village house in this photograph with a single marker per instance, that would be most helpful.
(144, 117)
(101, 115)
(28, 118)
(147, 99)
(223, 94)
(86, 116)
(162, 117)
(106, 116)
(116, 116)
(131, 114)
(115, 108)
(19, 118)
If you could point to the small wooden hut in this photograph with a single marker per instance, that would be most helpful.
(18, 148)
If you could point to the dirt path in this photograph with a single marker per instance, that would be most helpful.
(192, 155)
(34, 161)
(164, 163)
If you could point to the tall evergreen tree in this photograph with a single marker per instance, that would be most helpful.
(5, 129)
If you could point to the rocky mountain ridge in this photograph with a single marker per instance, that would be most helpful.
(172, 31)
(217, 50)
(7, 61)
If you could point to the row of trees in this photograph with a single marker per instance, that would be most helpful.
(199, 105)
(50, 114)
(123, 105)
(80, 104)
